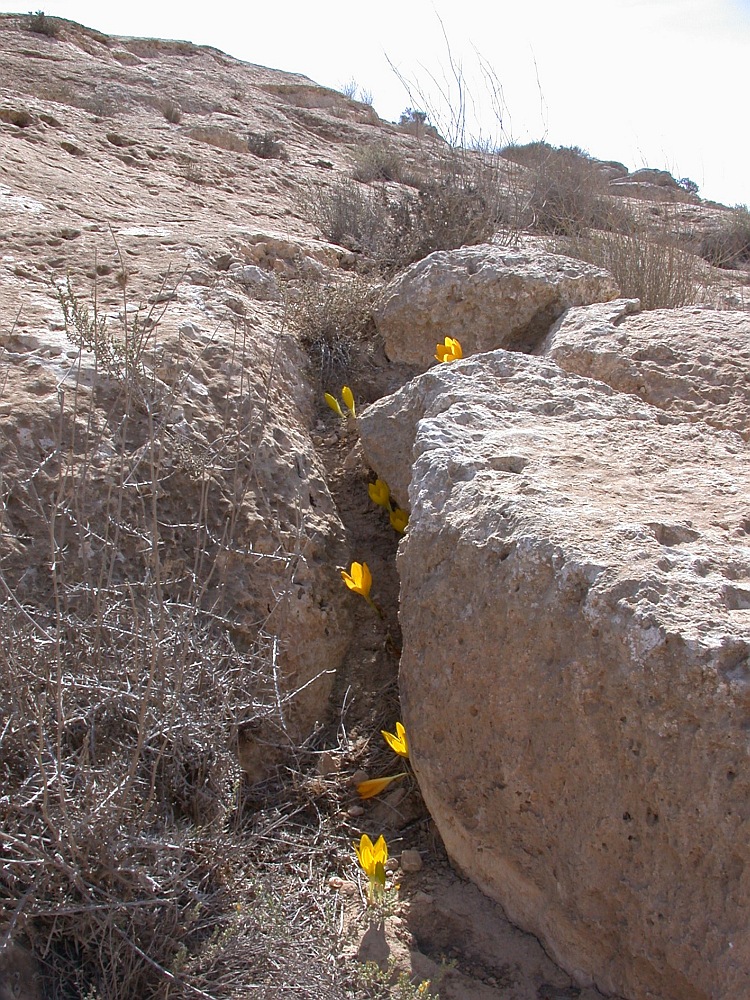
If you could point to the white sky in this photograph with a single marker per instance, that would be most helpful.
(658, 83)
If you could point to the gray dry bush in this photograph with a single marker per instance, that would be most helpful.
(41, 24)
(331, 318)
(379, 161)
(566, 192)
(727, 243)
(461, 198)
(136, 862)
(648, 261)
(171, 111)
(264, 145)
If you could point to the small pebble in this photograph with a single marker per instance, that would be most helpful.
(411, 861)
(355, 810)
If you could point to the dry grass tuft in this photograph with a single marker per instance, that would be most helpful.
(649, 262)
(727, 244)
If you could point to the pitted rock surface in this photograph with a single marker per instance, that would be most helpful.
(694, 362)
(487, 297)
(575, 678)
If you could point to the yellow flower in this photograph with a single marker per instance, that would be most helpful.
(449, 350)
(372, 858)
(379, 493)
(399, 519)
(369, 854)
(358, 579)
(399, 743)
(348, 396)
(333, 403)
(368, 789)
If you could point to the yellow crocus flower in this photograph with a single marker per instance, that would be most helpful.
(372, 858)
(334, 404)
(348, 396)
(449, 350)
(358, 579)
(397, 743)
(379, 493)
(399, 519)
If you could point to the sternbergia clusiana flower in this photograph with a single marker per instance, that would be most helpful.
(399, 744)
(449, 350)
(399, 519)
(398, 741)
(372, 858)
(348, 396)
(334, 404)
(358, 579)
(374, 786)
(379, 493)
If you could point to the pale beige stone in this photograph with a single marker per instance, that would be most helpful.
(575, 678)
(485, 296)
(694, 362)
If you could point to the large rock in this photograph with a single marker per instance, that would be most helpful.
(486, 296)
(575, 679)
(691, 361)
(183, 475)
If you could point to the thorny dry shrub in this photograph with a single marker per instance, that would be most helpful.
(354, 216)
(331, 318)
(41, 24)
(136, 861)
(467, 201)
(379, 161)
(727, 243)
(265, 145)
(171, 111)
(566, 192)
(648, 262)
(463, 198)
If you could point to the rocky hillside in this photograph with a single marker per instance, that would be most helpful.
(195, 250)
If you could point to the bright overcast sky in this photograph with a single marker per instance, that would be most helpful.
(658, 83)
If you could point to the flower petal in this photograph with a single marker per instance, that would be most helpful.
(398, 743)
(348, 396)
(380, 850)
(373, 787)
(333, 403)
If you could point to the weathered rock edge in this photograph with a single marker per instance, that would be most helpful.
(694, 361)
(575, 678)
(487, 296)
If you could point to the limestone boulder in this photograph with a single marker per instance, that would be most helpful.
(486, 296)
(575, 678)
(694, 362)
(188, 467)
